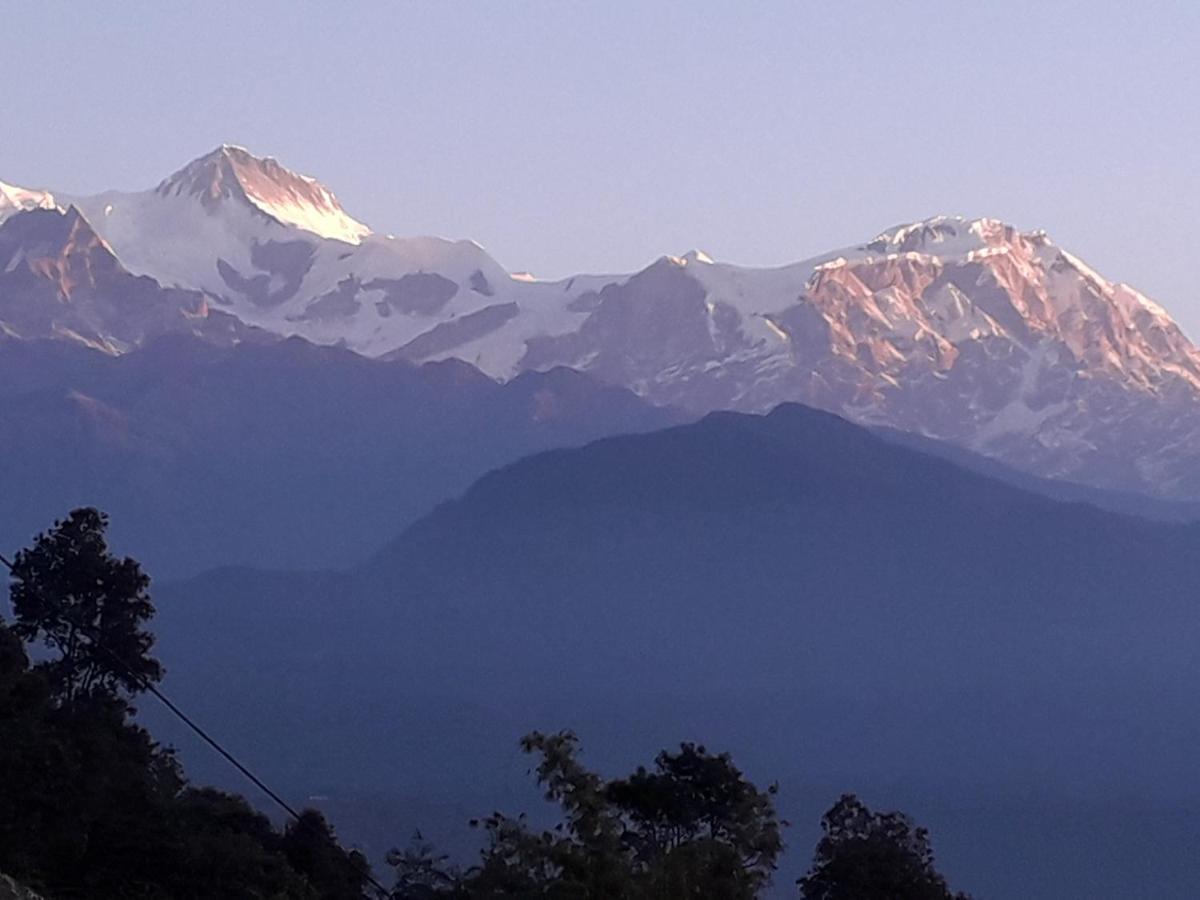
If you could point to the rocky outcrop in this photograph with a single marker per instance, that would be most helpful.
(60, 279)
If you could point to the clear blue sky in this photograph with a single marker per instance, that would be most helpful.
(567, 137)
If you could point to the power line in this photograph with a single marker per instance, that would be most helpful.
(150, 688)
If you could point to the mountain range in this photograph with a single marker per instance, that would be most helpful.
(967, 331)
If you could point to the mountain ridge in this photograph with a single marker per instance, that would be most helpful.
(283, 453)
(59, 278)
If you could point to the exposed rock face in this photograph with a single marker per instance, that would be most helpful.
(58, 278)
(445, 336)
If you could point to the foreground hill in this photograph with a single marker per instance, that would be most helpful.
(839, 611)
(281, 454)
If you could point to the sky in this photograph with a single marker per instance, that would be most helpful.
(570, 137)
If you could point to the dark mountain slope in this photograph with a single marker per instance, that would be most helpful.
(840, 612)
(275, 455)
(59, 279)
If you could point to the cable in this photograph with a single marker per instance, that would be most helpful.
(204, 735)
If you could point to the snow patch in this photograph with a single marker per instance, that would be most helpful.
(15, 199)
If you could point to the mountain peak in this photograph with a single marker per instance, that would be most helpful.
(231, 172)
(211, 177)
(16, 199)
(51, 227)
(944, 236)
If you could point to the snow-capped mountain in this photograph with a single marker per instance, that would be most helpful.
(231, 173)
(277, 250)
(966, 330)
(15, 199)
(59, 279)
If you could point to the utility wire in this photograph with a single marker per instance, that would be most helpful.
(204, 735)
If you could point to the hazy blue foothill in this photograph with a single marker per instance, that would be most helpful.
(281, 454)
(838, 611)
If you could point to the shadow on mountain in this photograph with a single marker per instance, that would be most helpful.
(283, 454)
(839, 612)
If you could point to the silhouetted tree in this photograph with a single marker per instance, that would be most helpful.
(699, 828)
(86, 605)
(583, 857)
(422, 873)
(692, 827)
(24, 814)
(311, 847)
(866, 855)
(217, 845)
(90, 805)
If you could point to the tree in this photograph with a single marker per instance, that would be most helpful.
(584, 857)
(696, 817)
(87, 606)
(691, 827)
(312, 849)
(214, 844)
(90, 804)
(25, 814)
(866, 855)
(422, 873)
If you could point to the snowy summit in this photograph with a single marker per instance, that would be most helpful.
(232, 172)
